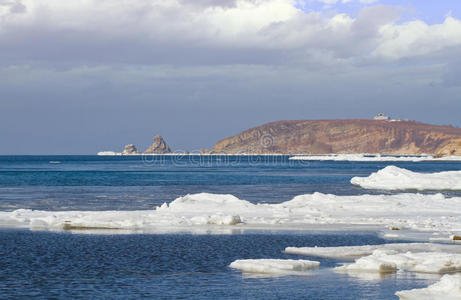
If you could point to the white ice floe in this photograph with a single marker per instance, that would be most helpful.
(394, 178)
(109, 153)
(275, 266)
(448, 288)
(353, 252)
(428, 213)
(376, 157)
(391, 261)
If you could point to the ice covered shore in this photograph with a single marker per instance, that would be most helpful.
(431, 213)
(394, 178)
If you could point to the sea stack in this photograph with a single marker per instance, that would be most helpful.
(130, 149)
(158, 147)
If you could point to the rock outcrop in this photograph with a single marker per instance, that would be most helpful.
(158, 147)
(130, 149)
(344, 136)
(205, 151)
(450, 148)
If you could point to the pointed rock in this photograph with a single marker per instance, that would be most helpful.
(130, 149)
(158, 147)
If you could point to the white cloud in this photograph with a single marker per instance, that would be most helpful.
(328, 1)
(211, 31)
(417, 38)
(361, 1)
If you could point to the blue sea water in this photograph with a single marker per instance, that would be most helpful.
(177, 266)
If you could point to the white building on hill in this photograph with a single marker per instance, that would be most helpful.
(381, 117)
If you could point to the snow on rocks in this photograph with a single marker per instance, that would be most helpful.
(275, 266)
(394, 178)
(448, 288)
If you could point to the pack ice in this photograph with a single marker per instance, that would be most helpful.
(431, 213)
(448, 288)
(394, 178)
(275, 266)
(354, 252)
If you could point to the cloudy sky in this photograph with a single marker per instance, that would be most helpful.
(80, 76)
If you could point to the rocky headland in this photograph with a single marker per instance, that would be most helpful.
(391, 137)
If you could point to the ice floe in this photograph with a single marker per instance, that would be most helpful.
(109, 153)
(428, 213)
(448, 288)
(353, 252)
(391, 261)
(275, 266)
(362, 157)
(394, 178)
(374, 157)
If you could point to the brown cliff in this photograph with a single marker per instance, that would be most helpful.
(344, 136)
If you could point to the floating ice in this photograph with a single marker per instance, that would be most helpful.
(275, 266)
(391, 261)
(353, 252)
(430, 213)
(109, 153)
(376, 157)
(394, 178)
(360, 157)
(448, 288)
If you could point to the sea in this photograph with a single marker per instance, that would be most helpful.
(46, 264)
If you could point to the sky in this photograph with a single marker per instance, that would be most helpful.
(82, 76)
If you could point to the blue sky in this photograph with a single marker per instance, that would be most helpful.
(81, 77)
(430, 11)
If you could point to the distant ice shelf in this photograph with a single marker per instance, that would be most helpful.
(109, 153)
(374, 157)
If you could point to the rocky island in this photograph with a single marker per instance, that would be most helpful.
(130, 149)
(158, 147)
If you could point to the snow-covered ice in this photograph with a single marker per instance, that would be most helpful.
(109, 153)
(448, 288)
(353, 252)
(374, 157)
(394, 178)
(429, 213)
(275, 266)
(391, 261)
(360, 157)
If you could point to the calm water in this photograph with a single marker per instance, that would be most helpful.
(65, 265)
